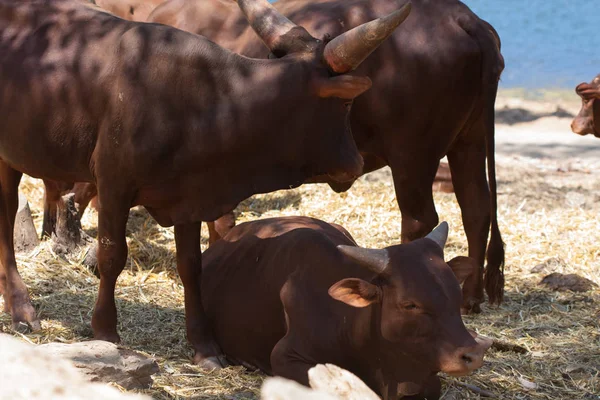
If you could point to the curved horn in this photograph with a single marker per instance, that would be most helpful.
(374, 259)
(439, 234)
(347, 51)
(268, 23)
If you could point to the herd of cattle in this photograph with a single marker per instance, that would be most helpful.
(187, 107)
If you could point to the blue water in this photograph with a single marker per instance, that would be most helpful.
(545, 43)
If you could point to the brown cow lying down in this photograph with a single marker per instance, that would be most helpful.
(585, 122)
(284, 294)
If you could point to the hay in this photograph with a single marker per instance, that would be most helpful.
(546, 211)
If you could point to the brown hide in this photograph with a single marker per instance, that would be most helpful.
(433, 94)
(131, 10)
(157, 117)
(268, 285)
(588, 120)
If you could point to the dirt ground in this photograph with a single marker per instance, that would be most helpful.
(549, 211)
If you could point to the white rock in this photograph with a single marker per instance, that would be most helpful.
(328, 382)
(105, 362)
(27, 372)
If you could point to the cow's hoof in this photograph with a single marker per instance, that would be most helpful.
(112, 337)
(26, 327)
(470, 308)
(24, 317)
(210, 363)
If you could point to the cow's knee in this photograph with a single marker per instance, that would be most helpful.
(413, 229)
(430, 390)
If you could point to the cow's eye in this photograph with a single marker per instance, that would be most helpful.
(410, 306)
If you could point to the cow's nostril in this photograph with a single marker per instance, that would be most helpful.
(467, 359)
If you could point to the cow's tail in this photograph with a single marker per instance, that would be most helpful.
(492, 66)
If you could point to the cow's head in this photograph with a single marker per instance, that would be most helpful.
(588, 119)
(418, 298)
(321, 113)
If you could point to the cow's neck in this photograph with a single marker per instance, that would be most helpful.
(364, 339)
(361, 338)
(259, 105)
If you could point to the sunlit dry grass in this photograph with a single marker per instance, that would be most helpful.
(546, 212)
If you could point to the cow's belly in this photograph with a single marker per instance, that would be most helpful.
(37, 155)
(44, 135)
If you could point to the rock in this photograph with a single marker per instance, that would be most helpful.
(339, 383)
(285, 389)
(550, 265)
(328, 382)
(575, 199)
(25, 235)
(572, 282)
(29, 373)
(527, 385)
(68, 234)
(105, 362)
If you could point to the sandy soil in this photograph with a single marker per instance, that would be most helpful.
(541, 130)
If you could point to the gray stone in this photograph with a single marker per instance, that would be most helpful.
(105, 362)
(28, 372)
(564, 282)
(328, 382)
(25, 235)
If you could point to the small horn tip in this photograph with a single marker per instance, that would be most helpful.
(405, 9)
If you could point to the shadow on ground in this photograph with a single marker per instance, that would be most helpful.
(511, 116)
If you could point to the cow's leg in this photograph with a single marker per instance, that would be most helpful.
(286, 363)
(16, 298)
(52, 196)
(189, 266)
(430, 390)
(219, 228)
(412, 182)
(112, 255)
(467, 164)
(84, 193)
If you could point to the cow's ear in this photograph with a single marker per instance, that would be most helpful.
(463, 267)
(342, 86)
(355, 292)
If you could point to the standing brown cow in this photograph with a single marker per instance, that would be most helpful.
(434, 90)
(158, 117)
(588, 120)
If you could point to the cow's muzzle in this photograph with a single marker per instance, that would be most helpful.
(583, 126)
(467, 359)
(350, 171)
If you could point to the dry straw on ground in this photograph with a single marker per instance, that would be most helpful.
(547, 211)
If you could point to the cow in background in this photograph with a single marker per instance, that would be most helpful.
(131, 10)
(588, 120)
(434, 91)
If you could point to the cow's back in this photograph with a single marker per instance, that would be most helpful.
(244, 273)
(219, 20)
(56, 63)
